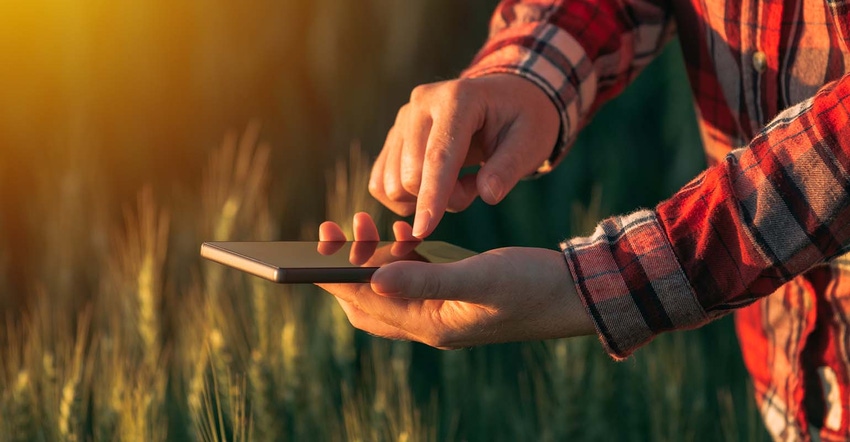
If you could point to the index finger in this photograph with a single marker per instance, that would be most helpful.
(445, 154)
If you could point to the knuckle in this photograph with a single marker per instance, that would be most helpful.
(393, 131)
(376, 175)
(440, 153)
(410, 180)
(401, 116)
(392, 186)
(395, 190)
(375, 188)
(419, 93)
(457, 91)
(376, 185)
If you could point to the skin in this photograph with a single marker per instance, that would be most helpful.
(502, 295)
(508, 126)
(504, 123)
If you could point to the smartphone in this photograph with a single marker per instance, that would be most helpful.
(293, 262)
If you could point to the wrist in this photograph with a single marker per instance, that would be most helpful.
(562, 314)
(577, 319)
(552, 59)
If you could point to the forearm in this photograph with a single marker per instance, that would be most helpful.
(773, 209)
(733, 234)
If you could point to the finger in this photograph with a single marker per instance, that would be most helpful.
(405, 242)
(392, 168)
(349, 297)
(392, 177)
(401, 249)
(366, 239)
(413, 151)
(331, 238)
(510, 163)
(331, 231)
(463, 194)
(477, 150)
(377, 187)
(391, 311)
(403, 231)
(461, 281)
(445, 152)
(329, 247)
(344, 292)
(360, 320)
(361, 251)
(376, 177)
(365, 228)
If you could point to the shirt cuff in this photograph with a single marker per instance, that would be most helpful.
(631, 283)
(553, 60)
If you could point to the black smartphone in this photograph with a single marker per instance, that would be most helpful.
(292, 262)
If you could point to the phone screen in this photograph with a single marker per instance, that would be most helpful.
(325, 261)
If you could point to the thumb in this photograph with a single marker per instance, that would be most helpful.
(420, 280)
(513, 160)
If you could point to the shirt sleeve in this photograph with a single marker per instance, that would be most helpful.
(580, 52)
(768, 212)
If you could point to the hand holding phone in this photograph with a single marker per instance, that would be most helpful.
(501, 295)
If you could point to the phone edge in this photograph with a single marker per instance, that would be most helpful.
(328, 275)
(241, 262)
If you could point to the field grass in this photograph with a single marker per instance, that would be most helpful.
(153, 355)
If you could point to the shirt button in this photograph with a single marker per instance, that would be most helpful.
(759, 61)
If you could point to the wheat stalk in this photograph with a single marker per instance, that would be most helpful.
(74, 390)
(142, 248)
(22, 415)
(235, 183)
(220, 361)
(141, 411)
(262, 394)
(195, 360)
(14, 383)
(225, 405)
(291, 344)
(243, 422)
(235, 205)
(128, 399)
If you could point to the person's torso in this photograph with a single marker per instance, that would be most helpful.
(747, 60)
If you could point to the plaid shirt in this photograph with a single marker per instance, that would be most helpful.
(765, 218)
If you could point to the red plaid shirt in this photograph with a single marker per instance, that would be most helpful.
(770, 217)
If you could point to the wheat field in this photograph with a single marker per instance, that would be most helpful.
(118, 157)
(226, 356)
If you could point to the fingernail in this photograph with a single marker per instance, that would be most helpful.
(494, 187)
(382, 285)
(421, 223)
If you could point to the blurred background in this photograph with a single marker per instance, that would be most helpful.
(111, 96)
(131, 131)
